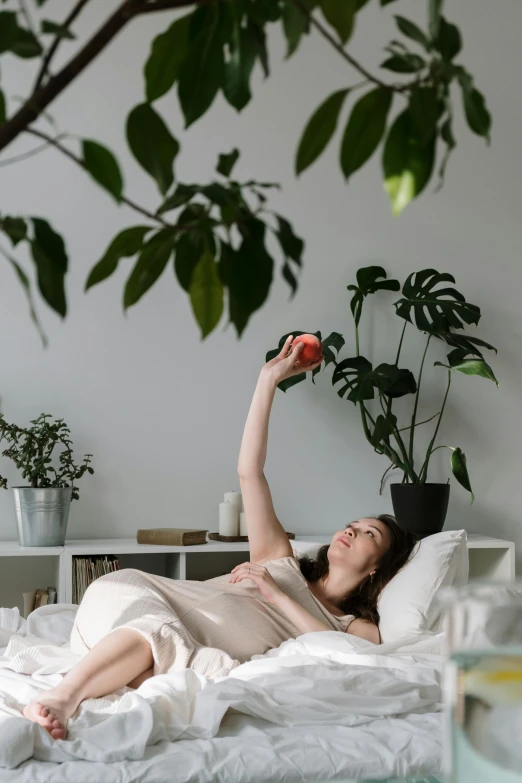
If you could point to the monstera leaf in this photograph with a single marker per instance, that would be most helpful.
(473, 366)
(384, 427)
(361, 380)
(463, 344)
(433, 309)
(368, 282)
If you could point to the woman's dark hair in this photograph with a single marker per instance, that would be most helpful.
(362, 602)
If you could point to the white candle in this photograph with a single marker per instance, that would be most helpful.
(243, 531)
(234, 497)
(228, 519)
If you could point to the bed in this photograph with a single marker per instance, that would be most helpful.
(325, 706)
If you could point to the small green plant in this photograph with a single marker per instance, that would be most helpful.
(438, 312)
(32, 450)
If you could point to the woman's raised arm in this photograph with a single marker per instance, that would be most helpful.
(266, 535)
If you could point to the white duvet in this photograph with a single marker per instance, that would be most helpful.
(325, 706)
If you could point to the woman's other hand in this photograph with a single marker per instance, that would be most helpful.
(266, 583)
(286, 363)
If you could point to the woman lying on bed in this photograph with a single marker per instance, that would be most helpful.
(132, 625)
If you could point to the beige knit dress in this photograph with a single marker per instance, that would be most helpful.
(211, 626)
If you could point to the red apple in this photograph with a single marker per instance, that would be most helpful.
(312, 350)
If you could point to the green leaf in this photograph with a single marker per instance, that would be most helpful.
(364, 129)
(471, 367)
(333, 341)
(103, 167)
(52, 28)
(424, 108)
(8, 31)
(167, 55)
(404, 63)
(477, 114)
(190, 247)
(369, 282)
(15, 228)
(460, 470)
(226, 162)
(358, 377)
(319, 130)
(290, 278)
(151, 263)
(206, 293)
(259, 38)
(202, 71)
(448, 41)
(26, 44)
(435, 309)
(410, 30)
(182, 195)
(25, 282)
(393, 381)
(248, 272)
(238, 69)
(291, 245)
(341, 15)
(124, 245)
(434, 16)
(295, 25)
(152, 144)
(3, 113)
(407, 163)
(384, 427)
(464, 343)
(386, 2)
(50, 257)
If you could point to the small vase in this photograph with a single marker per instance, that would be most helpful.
(42, 515)
(420, 508)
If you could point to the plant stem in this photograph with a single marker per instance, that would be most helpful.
(336, 45)
(400, 343)
(356, 340)
(424, 469)
(418, 424)
(414, 415)
(79, 162)
(392, 467)
(55, 44)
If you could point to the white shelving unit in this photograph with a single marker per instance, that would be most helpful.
(489, 558)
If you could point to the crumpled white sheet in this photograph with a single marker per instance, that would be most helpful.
(320, 679)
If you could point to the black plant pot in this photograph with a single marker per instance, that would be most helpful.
(420, 508)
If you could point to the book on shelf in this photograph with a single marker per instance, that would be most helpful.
(86, 570)
(171, 536)
(33, 599)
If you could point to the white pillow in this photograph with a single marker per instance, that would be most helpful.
(408, 605)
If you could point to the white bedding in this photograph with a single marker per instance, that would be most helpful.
(325, 706)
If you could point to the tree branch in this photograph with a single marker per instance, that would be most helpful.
(43, 96)
(132, 204)
(342, 51)
(169, 5)
(55, 44)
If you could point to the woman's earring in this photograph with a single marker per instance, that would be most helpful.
(371, 576)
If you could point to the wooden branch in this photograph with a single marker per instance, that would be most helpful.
(132, 204)
(55, 44)
(169, 5)
(42, 97)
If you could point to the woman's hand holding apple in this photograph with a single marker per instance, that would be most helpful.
(289, 361)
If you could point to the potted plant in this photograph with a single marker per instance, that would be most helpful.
(441, 313)
(42, 508)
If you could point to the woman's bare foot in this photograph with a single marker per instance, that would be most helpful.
(52, 713)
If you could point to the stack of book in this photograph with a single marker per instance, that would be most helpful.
(87, 569)
(171, 536)
(36, 598)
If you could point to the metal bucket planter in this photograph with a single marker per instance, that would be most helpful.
(42, 515)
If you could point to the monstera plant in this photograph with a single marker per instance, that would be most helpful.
(213, 235)
(441, 313)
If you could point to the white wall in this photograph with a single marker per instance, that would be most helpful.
(162, 411)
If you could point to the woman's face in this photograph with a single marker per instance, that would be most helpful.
(361, 545)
